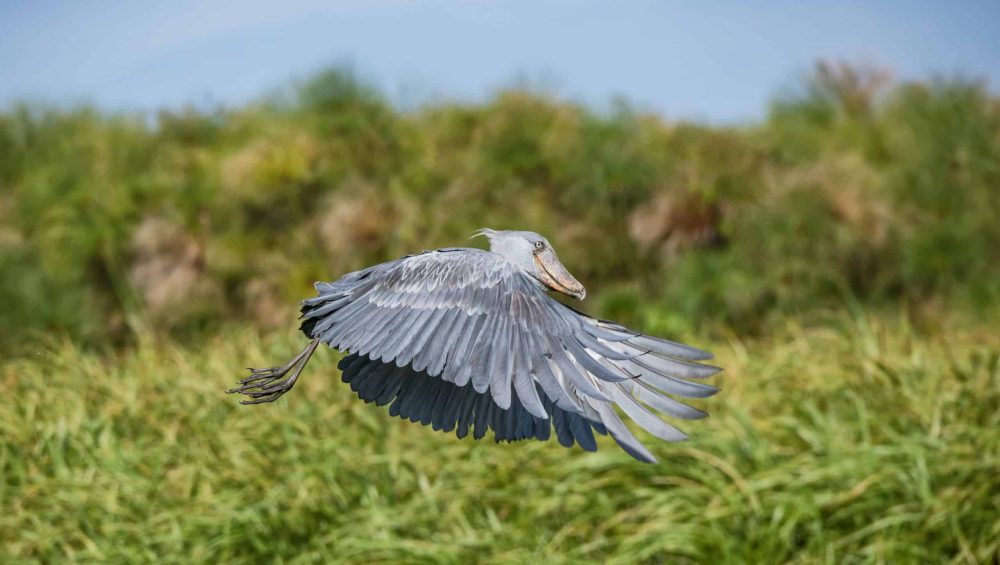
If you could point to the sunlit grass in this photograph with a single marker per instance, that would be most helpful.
(862, 441)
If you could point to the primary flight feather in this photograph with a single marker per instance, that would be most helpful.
(467, 340)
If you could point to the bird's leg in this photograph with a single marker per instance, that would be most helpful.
(265, 385)
(273, 373)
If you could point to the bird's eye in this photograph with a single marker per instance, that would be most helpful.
(539, 245)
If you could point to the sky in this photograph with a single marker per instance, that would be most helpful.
(710, 60)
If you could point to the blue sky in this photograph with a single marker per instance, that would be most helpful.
(717, 61)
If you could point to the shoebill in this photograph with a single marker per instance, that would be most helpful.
(468, 341)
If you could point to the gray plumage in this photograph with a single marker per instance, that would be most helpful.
(467, 340)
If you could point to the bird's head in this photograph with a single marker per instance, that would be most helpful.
(534, 255)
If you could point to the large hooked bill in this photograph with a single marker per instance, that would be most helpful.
(555, 276)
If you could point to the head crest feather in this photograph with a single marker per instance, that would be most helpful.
(485, 232)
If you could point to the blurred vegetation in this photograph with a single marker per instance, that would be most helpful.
(113, 225)
(841, 257)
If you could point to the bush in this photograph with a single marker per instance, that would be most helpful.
(853, 186)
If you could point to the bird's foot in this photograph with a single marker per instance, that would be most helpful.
(268, 385)
(265, 385)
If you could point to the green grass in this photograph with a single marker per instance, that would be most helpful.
(863, 441)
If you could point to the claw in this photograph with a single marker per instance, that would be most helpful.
(247, 384)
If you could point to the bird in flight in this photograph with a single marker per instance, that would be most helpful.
(467, 340)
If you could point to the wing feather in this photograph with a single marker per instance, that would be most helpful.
(392, 387)
(552, 387)
(646, 419)
(621, 434)
(497, 354)
(524, 382)
(432, 352)
(461, 364)
(483, 408)
(575, 376)
(561, 426)
(675, 367)
(387, 350)
(420, 339)
(590, 342)
(435, 402)
(500, 377)
(659, 402)
(415, 336)
(444, 351)
(582, 432)
(376, 331)
(670, 348)
(669, 384)
(584, 360)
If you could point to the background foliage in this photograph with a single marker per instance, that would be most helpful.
(852, 186)
(841, 257)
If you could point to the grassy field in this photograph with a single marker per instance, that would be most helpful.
(863, 441)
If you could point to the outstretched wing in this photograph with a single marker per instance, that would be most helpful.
(460, 336)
